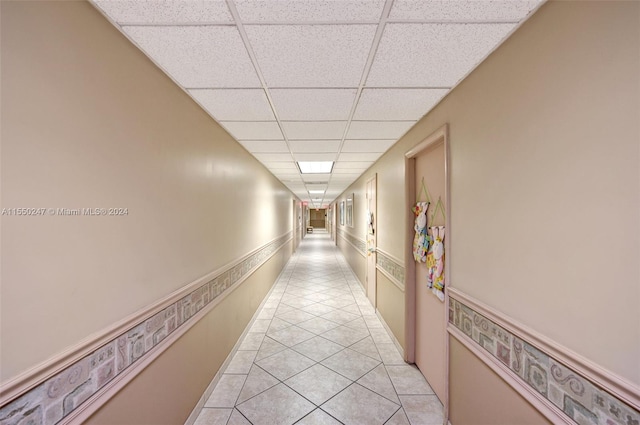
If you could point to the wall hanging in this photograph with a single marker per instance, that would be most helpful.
(421, 238)
(435, 256)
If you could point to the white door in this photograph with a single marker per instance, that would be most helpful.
(372, 216)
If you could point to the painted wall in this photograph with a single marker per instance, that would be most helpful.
(190, 362)
(352, 239)
(89, 122)
(545, 160)
(473, 404)
(390, 300)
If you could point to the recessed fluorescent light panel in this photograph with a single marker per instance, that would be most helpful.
(315, 167)
(318, 192)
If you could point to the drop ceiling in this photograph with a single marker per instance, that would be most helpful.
(317, 80)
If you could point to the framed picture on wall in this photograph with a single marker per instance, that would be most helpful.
(350, 210)
(341, 213)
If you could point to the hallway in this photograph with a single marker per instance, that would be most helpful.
(317, 353)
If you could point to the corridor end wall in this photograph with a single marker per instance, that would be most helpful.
(88, 121)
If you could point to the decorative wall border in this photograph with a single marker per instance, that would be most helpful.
(54, 391)
(390, 267)
(357, 243)
(573, 387)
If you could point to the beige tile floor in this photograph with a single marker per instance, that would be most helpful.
(317, 354)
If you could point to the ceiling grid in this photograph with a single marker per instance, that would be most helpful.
(317, 80)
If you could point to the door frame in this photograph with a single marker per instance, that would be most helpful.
(440, 135)
(372, 281)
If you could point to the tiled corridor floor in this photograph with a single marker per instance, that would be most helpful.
(317, 354)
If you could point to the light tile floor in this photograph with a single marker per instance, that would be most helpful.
(317, 354)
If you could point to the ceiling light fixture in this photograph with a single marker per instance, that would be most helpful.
(315, 167)
(316, 191)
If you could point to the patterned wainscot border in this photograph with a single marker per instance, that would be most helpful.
(580, 399)
(54, 399)
(390, 266)
(359, 244)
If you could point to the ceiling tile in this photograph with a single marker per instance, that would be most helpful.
(265, 146)
(198, 56)
(315, 157)
(253, 130)
(288, 178)
(468, 11)
(235, 105)
(284, 166)
(272, 156)
(351, 172)
(367, 145)
(314, 130)
(316, 186)
(313, 104)
(315, 177)
(396, 104)
(309, 10)
(432, 55)
(378, 129)
(165, 11)
(311, 55)
(342, 165)
(310, 146)
(360, 156)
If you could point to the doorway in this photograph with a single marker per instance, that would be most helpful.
(372, 215)
(427, 180)
(318, 218)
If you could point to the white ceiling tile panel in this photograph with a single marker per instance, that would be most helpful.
(314, 130)
(272, 156)
(367, 145)
(313, 104)
(344, 173)
(315, 177)
(378, 129)
(316, 186)
(288, 177)
(253, 130)
(360, 156)
(235, 105)
(198, 56)
(458, 10)
(317, 146)
(350, 165)
(165, 11)
(265, 146)
(432, 55)
(396, 104)
(315, 156)
(309, 10)
(311, 55)
(285, 166)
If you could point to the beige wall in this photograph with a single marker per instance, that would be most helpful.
(353, 256)
(390, 301)
(166, 391)
(480, 397)
(89, 121)
(545, 186)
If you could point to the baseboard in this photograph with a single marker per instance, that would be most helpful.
(391, 335)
